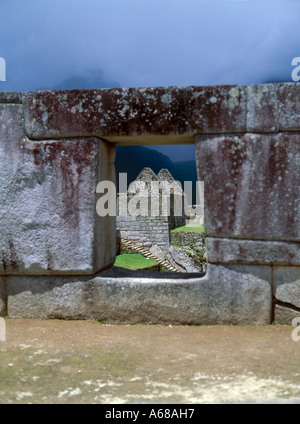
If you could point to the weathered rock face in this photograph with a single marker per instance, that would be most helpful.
(145, 214)
(11, 97)
(48, 220)
(180, 112)
(288, 106)
(266, 252)
(287, 286)
(182, 258)
(188, 238)
(252, 194)
(284, 315)
(3, 297)
(165, 255)
(252, 185)
(145, 231)
(226, 295)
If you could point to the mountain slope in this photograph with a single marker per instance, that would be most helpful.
(132, 159)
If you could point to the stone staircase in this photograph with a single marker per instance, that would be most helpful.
(146, 252)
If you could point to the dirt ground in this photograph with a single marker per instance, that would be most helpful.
(87, 362)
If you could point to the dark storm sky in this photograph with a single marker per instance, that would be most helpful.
(148, 42)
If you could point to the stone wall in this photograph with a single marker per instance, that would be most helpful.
(55, 146)
(48, 220)
(157, 212)
(185, 238)
(252, 192)
(145, 231)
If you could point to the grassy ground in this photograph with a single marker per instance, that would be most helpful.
(192, 228)
(138, 261)
(133, 261)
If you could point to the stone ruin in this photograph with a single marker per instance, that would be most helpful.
(56, 253)
(152, 228)
(164, 211)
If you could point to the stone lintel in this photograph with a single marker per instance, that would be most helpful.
(11, 97)
(122, 114)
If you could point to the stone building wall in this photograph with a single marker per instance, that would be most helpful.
(160, 215)
(55, 147)
(183, 238)
(145, 231)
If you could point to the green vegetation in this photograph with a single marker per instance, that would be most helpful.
(192, 228)
(193, 245)
(133, 261)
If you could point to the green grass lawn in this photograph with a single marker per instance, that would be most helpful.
(133, 261)
(192, 228)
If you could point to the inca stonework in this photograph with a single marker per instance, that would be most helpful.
(56, 253)
(152, 228)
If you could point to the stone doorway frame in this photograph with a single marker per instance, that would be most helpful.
(54, 140)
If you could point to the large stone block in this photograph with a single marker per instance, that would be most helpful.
(287, 285)
(48, 220)
(225, 295)
(252, 185)
(10, 97)
(285, 315)
(262, 108)
(120, 115)
(226, 251)
(288, 106)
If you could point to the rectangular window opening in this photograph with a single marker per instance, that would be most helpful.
(160, 214)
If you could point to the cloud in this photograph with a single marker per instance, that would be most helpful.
(149, 42)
